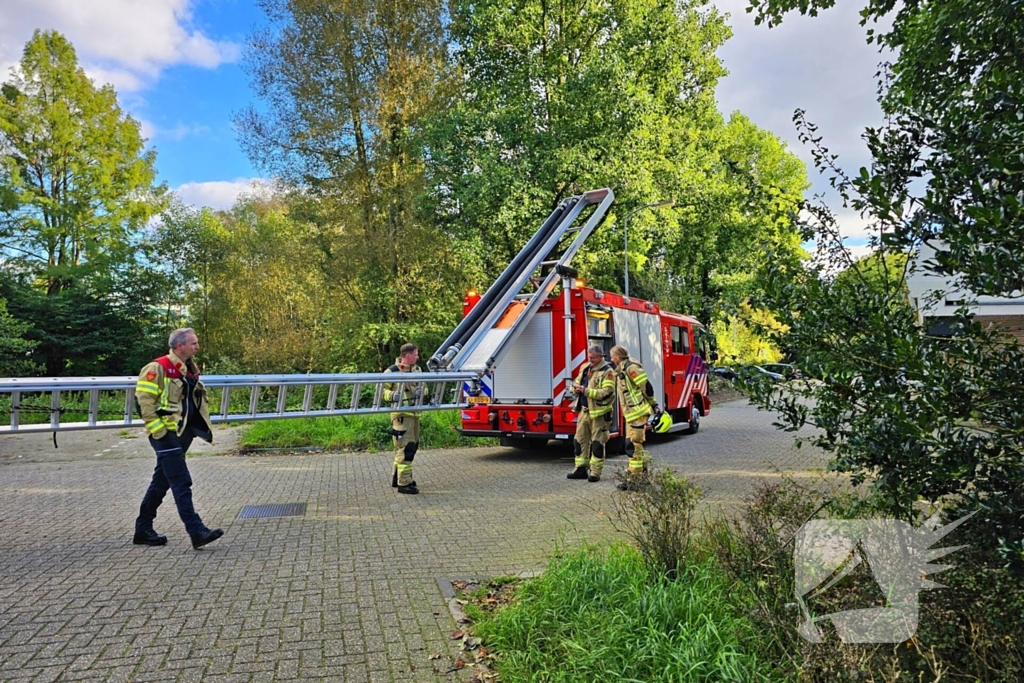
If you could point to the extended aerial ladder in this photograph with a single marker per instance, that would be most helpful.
(472, 350)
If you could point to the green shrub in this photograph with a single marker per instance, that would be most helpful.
(658, 514)
(598, 615)
(971, 630)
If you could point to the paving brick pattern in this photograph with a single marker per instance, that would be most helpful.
(348, 592)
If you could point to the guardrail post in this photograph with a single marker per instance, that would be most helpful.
(225, 401)
(129, 405)
(94, 406)
(55, 409)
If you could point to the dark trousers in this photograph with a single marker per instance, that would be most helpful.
(171, 473)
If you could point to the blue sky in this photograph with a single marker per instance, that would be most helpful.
(176, 65)
(191, 107)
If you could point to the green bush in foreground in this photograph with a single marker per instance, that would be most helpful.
(971, 630)
(712, 599)
(356, 432)
(597, 615)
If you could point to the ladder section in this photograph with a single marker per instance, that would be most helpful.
(495, 298)
(64, 404)
(497, 329)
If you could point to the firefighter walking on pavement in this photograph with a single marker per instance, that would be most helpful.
(175, 407)
(405, 426)
(636, 396)
(595, 394)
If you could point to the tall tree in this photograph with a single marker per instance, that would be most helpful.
(923, 416)
(76, 185)
(193, 284)
(346, 84)
(252, 284)
(15, 350)
(562, 97)
(76, 190)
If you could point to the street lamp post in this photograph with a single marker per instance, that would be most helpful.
(625, 233)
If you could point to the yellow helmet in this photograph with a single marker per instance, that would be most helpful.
(661, 422)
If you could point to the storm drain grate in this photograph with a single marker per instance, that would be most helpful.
(273, 510)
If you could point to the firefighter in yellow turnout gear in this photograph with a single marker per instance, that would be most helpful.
(595, 394)
(405, 426)
(636, 396)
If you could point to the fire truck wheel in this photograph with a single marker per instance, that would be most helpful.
(694, 418)
(616, 446)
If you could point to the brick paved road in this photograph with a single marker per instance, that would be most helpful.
(347, 593)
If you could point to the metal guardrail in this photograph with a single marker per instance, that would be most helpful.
(351, 394)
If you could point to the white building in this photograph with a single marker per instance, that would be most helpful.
(1006, 313)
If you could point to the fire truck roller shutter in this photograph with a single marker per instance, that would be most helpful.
(652, 356)
(640, 333)
(525, 371)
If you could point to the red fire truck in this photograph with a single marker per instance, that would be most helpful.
(523, 400)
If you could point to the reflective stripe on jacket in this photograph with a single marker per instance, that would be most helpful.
(160, 393)
(600, 391)
(636, 391)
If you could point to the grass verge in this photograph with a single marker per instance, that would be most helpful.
(712, 599)
(599, 615)
(356, 433)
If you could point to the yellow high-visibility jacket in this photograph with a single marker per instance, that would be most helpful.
(160, 393)
(635, 392)
(600, 388)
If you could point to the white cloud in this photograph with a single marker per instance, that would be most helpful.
(123, 80)
(219, 194)
(859, 250)
(147, 129)
(123, 42)
(851, 224)
(153, 133)
(820, 64)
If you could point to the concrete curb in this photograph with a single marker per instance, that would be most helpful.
(446, 585)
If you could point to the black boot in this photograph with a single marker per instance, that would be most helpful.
(409, 488)
(149, 537)
(578, 473)
(594, 477)
(206, 537)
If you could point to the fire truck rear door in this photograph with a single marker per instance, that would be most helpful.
(525, 371)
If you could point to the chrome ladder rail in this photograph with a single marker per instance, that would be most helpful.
(315, 396)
